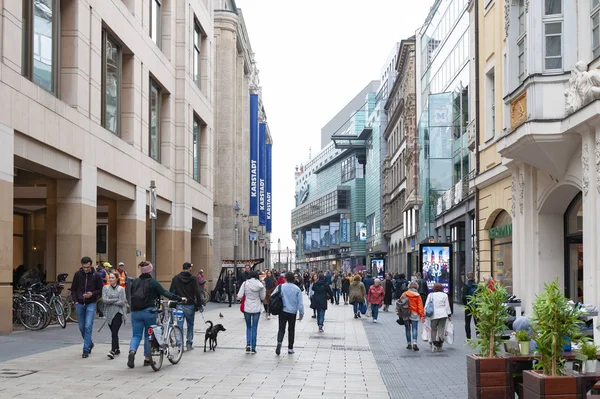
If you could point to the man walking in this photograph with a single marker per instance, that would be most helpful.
(368, 282)
(185, 285)
(230, 285)
(423, 289)
(121, 274)
(86, 289)
(292, 304)
(467, 293)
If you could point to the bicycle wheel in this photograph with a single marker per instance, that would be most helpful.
(156, 356)
(59, 311)
(32, 315)
(175, 345)
(66, 307)
(73, 312)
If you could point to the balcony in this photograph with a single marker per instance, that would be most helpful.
(457, 194)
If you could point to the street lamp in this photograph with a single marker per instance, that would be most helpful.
(235, 240)
(279, 253)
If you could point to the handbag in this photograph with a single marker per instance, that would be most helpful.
(363, 307)
(243, 301)
(429, 309)
(449, 334)
(425, 334)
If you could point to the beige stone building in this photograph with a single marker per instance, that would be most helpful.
(98, 98)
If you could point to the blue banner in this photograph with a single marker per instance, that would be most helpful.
(262, 171)
(253, 154)
(269, 185)
(315, 237)
(344, 228)
(308, 240)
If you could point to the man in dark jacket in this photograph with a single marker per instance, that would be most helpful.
(423, 289)
(245, 275)
(368, 282)
(467, 293)
(185, 285)
(86, 289)
(230, 284)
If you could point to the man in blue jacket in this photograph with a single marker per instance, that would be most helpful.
(292, 304)
(86, 289)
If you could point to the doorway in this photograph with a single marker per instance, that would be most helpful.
(574, 250)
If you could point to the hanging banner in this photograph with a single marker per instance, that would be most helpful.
(269, 185)
(253, 154)
(334, 233)
(307, 240)
(315, 238)
(324, 235)
(262, 171)
(344, 228)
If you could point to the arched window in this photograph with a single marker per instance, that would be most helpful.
(501, 238)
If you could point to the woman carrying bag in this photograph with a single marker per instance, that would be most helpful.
(440, 303)
(357, 295)
(253, 291)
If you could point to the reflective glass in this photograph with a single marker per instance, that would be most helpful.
(43, 54)
(111, 83)
(155, 21)
(195, 150)
(154, 121)
(553, 7)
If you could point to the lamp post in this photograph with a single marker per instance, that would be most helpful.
(235, 240)
(279, 253)
(153, 225)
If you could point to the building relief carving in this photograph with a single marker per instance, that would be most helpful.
(526, 5)
(518, 111)
(514, 195)
(598, 164)
(506, 18)
(521, 192)
(583, 87)
(585, 166)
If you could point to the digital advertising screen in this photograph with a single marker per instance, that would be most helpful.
(378, 267)
(436, 266)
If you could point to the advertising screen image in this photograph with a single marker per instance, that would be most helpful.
(378, 267)
(436, 266)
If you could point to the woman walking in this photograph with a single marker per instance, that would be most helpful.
(415, 307)
(270, 284)
(441, 313)
(313, 280)
(345, 288)
(113, 297)
(292, 304)
(321, 293)
(357, 295)
(336, 285)
(255, 293)
(230, 285)
(389, 289)
(375, 297)
(145, 292)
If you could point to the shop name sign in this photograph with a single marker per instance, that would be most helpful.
(501, 231)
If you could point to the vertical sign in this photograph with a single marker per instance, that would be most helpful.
(269, 185)
(262, 171)
(253, 154)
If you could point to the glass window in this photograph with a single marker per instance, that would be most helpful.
(502, 252)
(195, 150)
(155, 21)
(40, 37)
(196, 61)
(522, 17)
(154, 121)
(521, 57)
(554, 7)
(111, 84)
(553, 42)
(596, 31)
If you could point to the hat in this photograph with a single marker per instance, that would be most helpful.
(121, 264)
(107, 264)
(187, 266)
(147, 268)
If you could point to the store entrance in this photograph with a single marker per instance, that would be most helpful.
(574, 250)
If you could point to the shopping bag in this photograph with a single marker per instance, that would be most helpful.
(426, 333)
(449, 334)
(363, 307)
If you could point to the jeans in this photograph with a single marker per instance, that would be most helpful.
(85, 321)
(114, 326)
(468, 317)
(438, 329)
(189, 314)
(251, 328)
(336, 296)
(320, 317)
(411, 339)
(290, 320)
(141, 320)
(374, 311)
(356, 307)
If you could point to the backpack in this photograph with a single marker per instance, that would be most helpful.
(403, 307)
(140, 291)
(276, 302)
(472, 290)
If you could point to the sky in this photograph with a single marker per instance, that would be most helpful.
(314, 56)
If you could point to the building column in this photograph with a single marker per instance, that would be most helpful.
(590, 160)
(113, 237)
(51, 223)
(76, 220)
(6, 226)
(131, 231)
(200, 254)
(165, 244)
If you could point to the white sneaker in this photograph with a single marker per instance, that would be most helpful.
(374, 320)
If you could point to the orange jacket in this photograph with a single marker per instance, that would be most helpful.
(415, 303)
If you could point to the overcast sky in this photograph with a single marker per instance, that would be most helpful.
(314, 56)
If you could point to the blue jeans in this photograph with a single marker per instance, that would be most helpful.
(415, 331)
(320, 317)
(189, 314)
(251, 328)
(356, 307)
(374, 311)
(141, 320)
(336, 296)
(85, 321)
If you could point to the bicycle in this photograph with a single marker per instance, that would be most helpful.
(166, 338)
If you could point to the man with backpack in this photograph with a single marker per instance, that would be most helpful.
(467, 292)
(185, 285)
(291, 296)
(410, 310)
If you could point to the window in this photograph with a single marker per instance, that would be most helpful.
(196, 150)
(111, 83)
(595, 28)
(40, 38)
(348, 169)
(553, 35)
(155, 22)
(154, 136)
(521, 41)
(490, 129)
(197, 44)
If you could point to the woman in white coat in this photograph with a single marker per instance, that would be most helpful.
(255, 292)
(441, 313)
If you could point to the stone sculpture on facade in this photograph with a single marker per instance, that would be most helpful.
(583, 87)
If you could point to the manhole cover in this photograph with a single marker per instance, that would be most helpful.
(10, 373)
(350, 348)
(326, 337)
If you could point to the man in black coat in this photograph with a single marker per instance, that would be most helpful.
(185, 285)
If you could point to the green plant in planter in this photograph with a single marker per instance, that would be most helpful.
(487, 307)
(589, 350)
(522, 336)
(553, 321)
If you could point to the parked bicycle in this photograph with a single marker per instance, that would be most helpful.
(40, 305)
(166, 338)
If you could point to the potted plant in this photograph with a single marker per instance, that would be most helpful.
(553, 322)
(487, 372)
(589, 350)
(523, 338)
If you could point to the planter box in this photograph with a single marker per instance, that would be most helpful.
(488, 378)
(538, 386)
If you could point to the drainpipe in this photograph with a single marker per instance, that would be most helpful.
(477, 127)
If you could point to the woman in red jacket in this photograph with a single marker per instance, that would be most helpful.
(375, 298)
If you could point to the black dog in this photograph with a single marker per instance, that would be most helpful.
(211, 334)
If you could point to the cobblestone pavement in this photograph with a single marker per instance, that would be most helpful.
(422, 374)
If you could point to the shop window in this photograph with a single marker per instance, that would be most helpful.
(501, 237)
